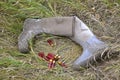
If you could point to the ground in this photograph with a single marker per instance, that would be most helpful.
(102, 17)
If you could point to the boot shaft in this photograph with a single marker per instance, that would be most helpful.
(55, 25)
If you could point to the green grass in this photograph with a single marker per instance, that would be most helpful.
(102, 16)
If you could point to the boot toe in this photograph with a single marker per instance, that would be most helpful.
(88, 58)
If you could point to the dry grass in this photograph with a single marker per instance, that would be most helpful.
(102, 16)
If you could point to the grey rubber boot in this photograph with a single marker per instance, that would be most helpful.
(71, 27)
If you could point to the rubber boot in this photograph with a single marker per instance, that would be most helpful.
(62, 26)
(71, 27)
(92, 47)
